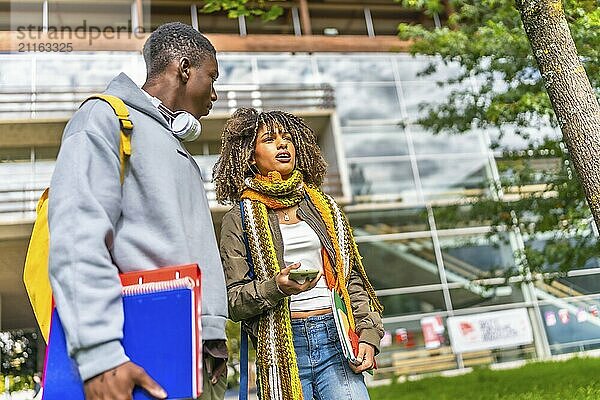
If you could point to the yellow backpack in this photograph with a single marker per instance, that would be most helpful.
(35, 273)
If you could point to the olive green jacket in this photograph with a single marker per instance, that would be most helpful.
(249, 298)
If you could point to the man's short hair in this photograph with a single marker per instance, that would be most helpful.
(172, 41)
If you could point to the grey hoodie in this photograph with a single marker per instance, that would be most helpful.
(159, 217)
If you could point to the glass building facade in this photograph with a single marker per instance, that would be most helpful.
(404, 183)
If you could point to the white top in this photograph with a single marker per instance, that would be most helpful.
(301, 244)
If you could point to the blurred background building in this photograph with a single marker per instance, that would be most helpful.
(338, 64)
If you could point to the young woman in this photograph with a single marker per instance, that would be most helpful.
(271, 169)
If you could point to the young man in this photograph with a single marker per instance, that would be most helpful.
(158, 217)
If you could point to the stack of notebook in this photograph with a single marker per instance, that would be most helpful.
(161, 333)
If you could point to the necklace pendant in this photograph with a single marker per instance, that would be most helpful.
(286, 217)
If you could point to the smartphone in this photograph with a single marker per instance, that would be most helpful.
(301, 274)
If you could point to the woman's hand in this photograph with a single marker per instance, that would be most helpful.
(290, 286)
(366, 356)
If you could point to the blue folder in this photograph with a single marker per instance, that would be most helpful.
(158, 334)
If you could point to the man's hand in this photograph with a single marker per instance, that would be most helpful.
(219, 369)
(366, 355)
(290, 286)
(118, 384)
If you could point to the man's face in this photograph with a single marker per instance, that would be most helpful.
(199, 89)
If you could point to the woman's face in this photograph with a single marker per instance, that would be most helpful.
(274, 151)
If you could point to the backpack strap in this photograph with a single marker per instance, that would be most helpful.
(125, 123)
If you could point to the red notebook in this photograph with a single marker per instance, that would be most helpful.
(164, 275)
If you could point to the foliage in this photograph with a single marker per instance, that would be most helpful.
(18, 355)
(489, 43)
(236, 8)
(571, 380)
(499, 88)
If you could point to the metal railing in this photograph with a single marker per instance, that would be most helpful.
(18, 201)
(21, 187)
(50, 102)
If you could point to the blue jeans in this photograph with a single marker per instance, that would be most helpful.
(324, 371)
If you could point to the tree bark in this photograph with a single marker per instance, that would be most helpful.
(573, 99)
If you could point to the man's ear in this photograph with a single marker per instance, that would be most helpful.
(184, 69)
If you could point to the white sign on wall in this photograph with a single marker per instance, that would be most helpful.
(491, 330)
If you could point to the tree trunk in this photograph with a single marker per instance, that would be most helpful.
(569, 89)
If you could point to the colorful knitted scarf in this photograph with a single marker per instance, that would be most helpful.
(275, 355)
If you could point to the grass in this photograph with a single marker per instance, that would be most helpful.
(576, 379)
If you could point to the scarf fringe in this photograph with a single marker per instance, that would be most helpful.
(278, 376)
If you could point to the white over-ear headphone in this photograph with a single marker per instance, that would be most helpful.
(184, 125)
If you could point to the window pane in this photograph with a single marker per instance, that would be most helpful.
(355, 69)
(5, 16)
(280, 26)
(21, 184)
(63, 81)
(567, 254)
(72, 71)
(361, 102)
(46, 153)
(377, 222)
(477, 295)
(400, 263)
(22, 14)
(87, 15)
(426, 142)
(24, 174)
(338, 21)
(460, 216)
(519, 138)
(233, 71)
(385, 21)
(15, 86)
(285, 70)
(413, 303)
(571, 325)
(578, 285)
(217, 22)
(411, 67)
(15, 72)
(475, 256)
(374, 140)
(418, 96)
(453, 178)
(391, 181)
(165, 12)
(12, 154)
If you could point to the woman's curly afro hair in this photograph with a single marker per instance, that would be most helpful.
(237, 150)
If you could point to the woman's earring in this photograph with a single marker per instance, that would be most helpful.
(253, 168)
